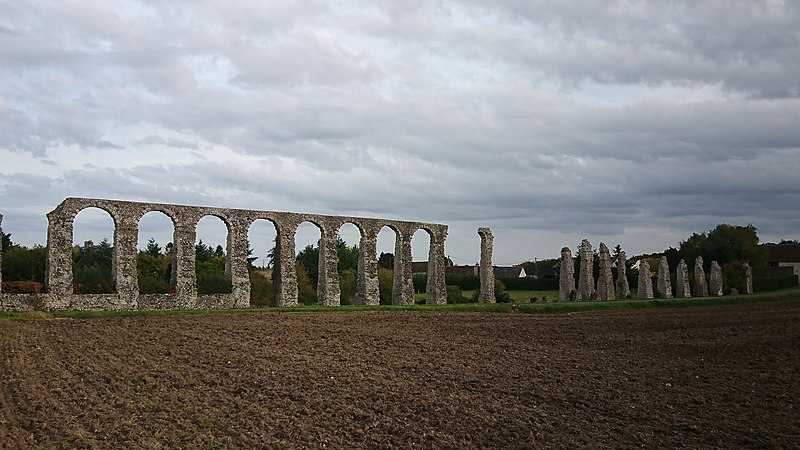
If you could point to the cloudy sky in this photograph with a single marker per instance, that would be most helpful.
(631, 122)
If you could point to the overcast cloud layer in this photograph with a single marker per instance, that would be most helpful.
(630, 122)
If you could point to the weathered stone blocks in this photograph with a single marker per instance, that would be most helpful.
(486, 267)
(645, 287)
(586, 275)
(682, 281)
(715, 281)
(700, 283)
(566, 280)
(623, 288)
(664, 282)
(605, 282)
(748, 277)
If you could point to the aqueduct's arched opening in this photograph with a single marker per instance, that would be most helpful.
(93, 252)
(155, 253)
(262, 241)
(211, 256)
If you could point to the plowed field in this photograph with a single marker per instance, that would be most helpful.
(726, 377)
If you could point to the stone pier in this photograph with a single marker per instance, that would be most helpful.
(682, 281)
(586, 275)
(623, 288)
(664, 282)
(748, 276)
(566, 279)
(1, 254)
(645, 287)
(605, 281)
(126, 215)
(715, 281)
(486, 268)
(700, 283)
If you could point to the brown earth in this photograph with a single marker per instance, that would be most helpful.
(724, 377)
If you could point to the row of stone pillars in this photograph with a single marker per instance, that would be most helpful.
(607, 290)
(126, 217)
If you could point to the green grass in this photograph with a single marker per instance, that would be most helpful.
(523, 307)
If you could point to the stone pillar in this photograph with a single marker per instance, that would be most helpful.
(623, 288)
(435, 290)
(236, 262)
(184, 264)
(700, 283)
(1, 253)
(566, 277)
(59, 259)
(328, 289)
(586, 275)
(286, 279)
(645, 288)
(664, 282)
(486, 267)
(402, 283)
(748, 276)
(682, 289)
(605, 282)
(124, 272)
(367, 289)
(715, 282)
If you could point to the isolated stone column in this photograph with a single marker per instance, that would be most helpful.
(486, 268)
(367, 288)
(664, 282)
(586, 275)
(328, 289)
(682, 281)
(403, 283)
(605, 281)
(715, 282)
(435, 290)
(236, 262)
(623, 288)
(700, 283)
(124, 270)
(184, 264)
(59, 258)
(748, 276)
(566, 277)
(1, 253)
(645, 287)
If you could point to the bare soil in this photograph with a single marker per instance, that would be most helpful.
(724, 377)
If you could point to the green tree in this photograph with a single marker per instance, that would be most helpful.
(306, 293)
(153, 248)
(385, 279)
(725, 243)
(91, 268)
(386, 260)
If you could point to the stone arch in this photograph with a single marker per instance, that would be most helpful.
(348, 269)
(93, 267)
(262, 239)
(435, 289)
(157, 267)
(212, 268)
(310, 250)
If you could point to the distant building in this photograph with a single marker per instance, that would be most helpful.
(782, 259)
(509, 272)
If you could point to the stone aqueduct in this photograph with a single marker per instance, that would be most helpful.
(126, 215)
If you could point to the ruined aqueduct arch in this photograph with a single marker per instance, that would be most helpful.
(126, 216)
